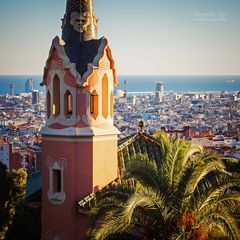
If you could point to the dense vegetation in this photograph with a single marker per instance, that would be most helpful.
(190, 194)
(26, 223)
(13, 187)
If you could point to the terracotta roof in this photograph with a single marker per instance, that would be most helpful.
(138, 143)
(24, 125)
(2, 142)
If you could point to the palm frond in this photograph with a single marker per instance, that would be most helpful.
(192, 149)
(119, 192)
(207, 163)
(212, 189)
(124, 221)
(111, 226)
(225, 220)
(146, 173)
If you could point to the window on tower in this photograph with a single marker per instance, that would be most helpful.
(57, 181)
(94, 104)
(68, 104)
(56, 96)
(48, 104)
(111, 104)
(56, 194)
(105, 96)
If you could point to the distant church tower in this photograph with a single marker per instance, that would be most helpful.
(79, 139)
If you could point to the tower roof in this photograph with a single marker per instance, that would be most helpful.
(82, 53)
(79, 32)
(80, 22)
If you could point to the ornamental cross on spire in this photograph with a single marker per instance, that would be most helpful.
(80, 22)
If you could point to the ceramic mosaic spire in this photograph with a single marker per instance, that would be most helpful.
(80, 22)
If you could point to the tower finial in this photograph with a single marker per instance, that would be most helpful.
(141, 126)
(80, 22)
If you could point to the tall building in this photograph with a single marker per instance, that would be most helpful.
(35, 97)
(159, 93)
(6, 152)
(79, 148)
(125, 89)
(11, 89)
(29, 85)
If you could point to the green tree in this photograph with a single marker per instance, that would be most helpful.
(26, 222)
(189, 195)
(12, 190)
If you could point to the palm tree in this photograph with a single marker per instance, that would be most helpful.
(189, 195)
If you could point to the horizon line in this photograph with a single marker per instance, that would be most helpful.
(137, 74)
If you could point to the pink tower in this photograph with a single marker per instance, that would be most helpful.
(79, 139)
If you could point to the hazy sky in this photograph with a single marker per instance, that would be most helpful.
(146, 37)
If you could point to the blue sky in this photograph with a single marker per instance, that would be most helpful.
(146, 37)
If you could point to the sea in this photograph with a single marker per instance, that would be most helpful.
(142, 83)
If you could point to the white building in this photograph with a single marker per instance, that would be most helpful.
(5, 153)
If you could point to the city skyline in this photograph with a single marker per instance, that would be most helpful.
(161, 38)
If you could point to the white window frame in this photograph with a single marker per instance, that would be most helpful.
(56, 197)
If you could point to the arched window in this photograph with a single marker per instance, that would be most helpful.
(68, 103)
(94, 104)
(56, 96)
(48, 104)
(105, 96)
(111, 104)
